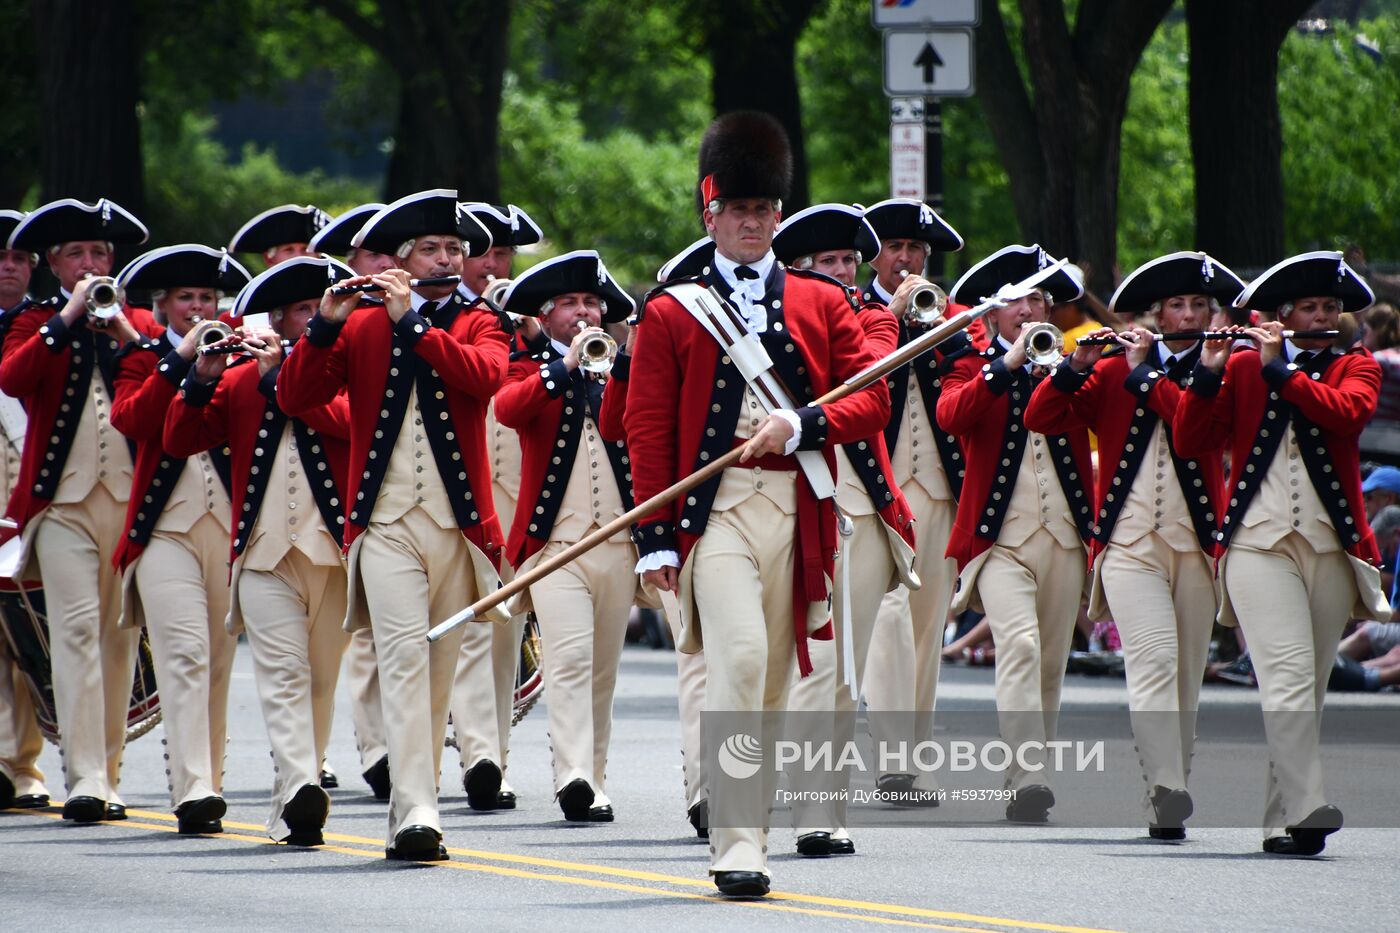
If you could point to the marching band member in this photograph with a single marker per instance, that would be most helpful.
(21, 781)
(572, 483)
(361, 676)
(421, 529)
(1299, 557)
(1154, 536)
(901, 677)
(486, 671)
(279, 233)
(287, 585)
(74, 482)
(171, 556)
(1023, 516)
(750, 553)
(876, 553)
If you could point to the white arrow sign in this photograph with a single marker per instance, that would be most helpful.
(928, 63)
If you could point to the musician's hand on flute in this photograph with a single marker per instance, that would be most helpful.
(772, 438)
(208, 367)
(265, 346)
(1269, 337)
(666, 579)
(336, 308)
(1214, 353)
(1137, 342)
(397, 292)
(1085, 356)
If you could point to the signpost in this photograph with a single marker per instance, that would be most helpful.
(929, 55)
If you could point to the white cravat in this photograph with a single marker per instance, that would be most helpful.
(747, 294)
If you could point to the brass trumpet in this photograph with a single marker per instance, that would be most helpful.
(496, 289)
(207, 333)
(104, 297)
(1044, 344)
(927, 303)
(597, 352)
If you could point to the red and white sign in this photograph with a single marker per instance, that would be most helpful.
(907, 176)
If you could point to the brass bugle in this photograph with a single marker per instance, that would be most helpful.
(1172, 336)
(413, 283)
(927, 303)
(496, 289)
(597, 352)
(1044, 344)
(104, 297)
(207, 332)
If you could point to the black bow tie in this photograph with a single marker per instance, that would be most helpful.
(744, 272)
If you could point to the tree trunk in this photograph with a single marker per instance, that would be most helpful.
(1007, 109)
(450, 59)
(89, 138)
(1236, 139)
(753, 52)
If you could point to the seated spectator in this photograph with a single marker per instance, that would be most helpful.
(1369, 659)
(1385, 525)
(1381, 335)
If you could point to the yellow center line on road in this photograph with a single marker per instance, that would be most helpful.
(776, 900)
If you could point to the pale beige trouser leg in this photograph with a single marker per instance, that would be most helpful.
(293, 618)
(183, 583)
(21, 743)
(93, 660)
(690, 701)
(1292, 603)
(1032, 597)
(906, 651)
(742, 575)
(1163, 602)
(583, 610)
(474, 719)
(366, 702)
(872, 568)
(415, 575)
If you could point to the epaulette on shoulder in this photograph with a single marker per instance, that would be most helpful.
(1356, 348)
(150, 345)
(661, 289)
(851, 295)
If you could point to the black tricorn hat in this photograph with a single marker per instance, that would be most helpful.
(1185, 273)
(744, 154)
(823, 227)
(304, 278)
(579, 271)
(1009, 265)
(8, 221)
(335, 236)
(67, 220)
(435, 212)
(189, 265)
(912, 219)
(508, 225)
(287, 223)
(1319, 274)
(694, 260)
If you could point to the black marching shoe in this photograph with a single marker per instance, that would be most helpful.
(845, 846)
(328, 778)
(1031, 804)
(84, 809)
(1171, 808)
(305, 816)
(377, 777)
(576, 800)
(114, 813)
(34, 802)
(814, 845)
(603, 814)
(482, 782)
(741, 883)
(1308, 837)
(699, 816)
(200, 817)
(505, 800)
(417, 844)
(7, 790)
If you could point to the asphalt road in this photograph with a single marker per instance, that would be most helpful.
(527, 870)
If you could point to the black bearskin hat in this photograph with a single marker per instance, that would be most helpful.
(744, 154)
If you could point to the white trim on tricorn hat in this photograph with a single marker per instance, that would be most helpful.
(1009, 265)
(68, 220)
(286, 223)
(185, 265)
(579, 271)
(824, 227)
(435, 212)
(8, 221)
(1182, 273)
(1317, 274)
(303, 278)
(508, 224)
(335, 236)
(912, 219)
(694, 260)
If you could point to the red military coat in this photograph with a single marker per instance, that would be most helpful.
(683, 405)
(1329, 402)
(43, 358)
(1122, 406)
(458, 361)
(983, 404)
(241, 410)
